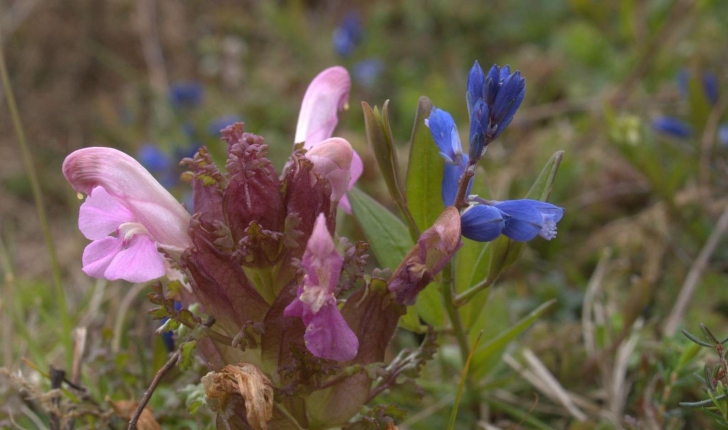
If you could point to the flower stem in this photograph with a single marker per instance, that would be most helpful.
(454, 315)
(60, 297)
(464, 297)
(460, 202)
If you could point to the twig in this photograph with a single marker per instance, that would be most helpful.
(57, 376)
(153, 386)
(694, 275)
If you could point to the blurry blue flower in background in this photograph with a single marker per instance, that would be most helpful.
(159, 164)
(367, 72)
(723, 135)
(153, 159)
(219, 123)
(187, 95)
(672, 127)
(709, 81)
(168, 336)
(347, 35)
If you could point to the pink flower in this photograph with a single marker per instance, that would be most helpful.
(126, 201)
(327, 333)
(326, 95)
(332, 159)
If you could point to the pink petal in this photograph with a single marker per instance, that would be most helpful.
(101, 214)
(326, 95)
(329, 336)
(124, 179)
(321, 261)
(98, 255)
(332, 160)
(357, 168)
(140, 262)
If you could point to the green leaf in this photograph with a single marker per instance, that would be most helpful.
(429, 305)
(505, 251)
(487, 357)
(386, 233)
(424, 171)
(187, 356)
(411, 320)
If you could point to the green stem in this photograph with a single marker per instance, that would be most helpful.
(454, 315)
(38, 198)
(464, 297)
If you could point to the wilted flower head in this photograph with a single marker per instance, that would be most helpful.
(434, 249)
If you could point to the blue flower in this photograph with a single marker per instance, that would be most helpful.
(482, 223)
(530, 218)
(520, 220)
(672, 126)
(153, 159)
(366, 72)
(186, 94)
(168, 336)
(709, 81)
(445, 133)
(347, 35)
(723, 135)
(450, 180)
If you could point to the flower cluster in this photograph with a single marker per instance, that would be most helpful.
(259, 255)
(493, 100)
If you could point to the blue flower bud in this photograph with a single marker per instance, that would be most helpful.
(479, 127)
(482, 223)
(672, 126)
(476, 87)
(445, 134)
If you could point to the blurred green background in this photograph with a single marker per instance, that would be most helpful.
(639, 197)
